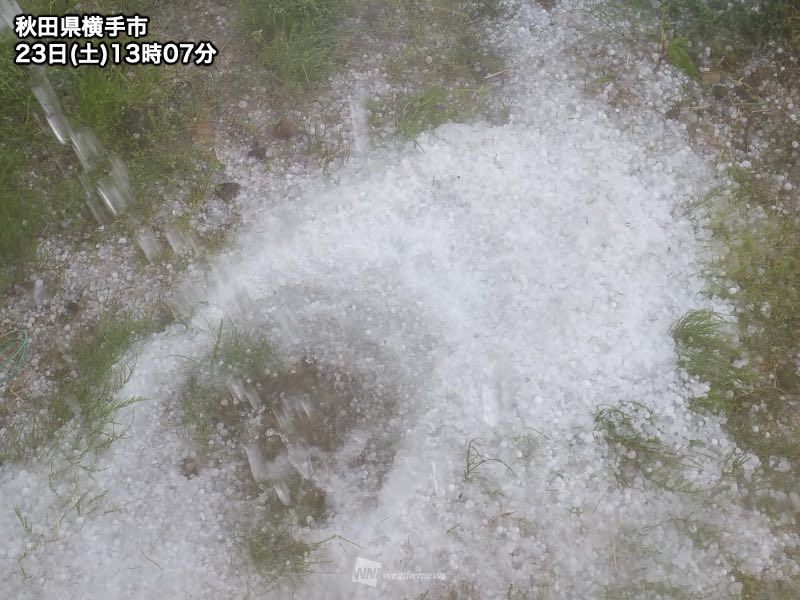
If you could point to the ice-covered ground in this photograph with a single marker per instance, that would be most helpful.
(503, 282)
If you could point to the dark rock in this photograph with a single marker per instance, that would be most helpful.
(286, 129)
(227, 191)
(720, 92)
(742, 93)
(189, 467)
(763, 73)
(257, 151)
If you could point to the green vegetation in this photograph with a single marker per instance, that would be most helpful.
(236, 389)
(744, 55)
(137, 113)
(675, 51)
(277, 555)
(474, 459)
(440, 41)
(757, 589)
(437, 51)
(415, 113)
(762, 262)
(429, 109)
(83, 407)
(332, 151)
(88, 393)
(296, 40)
(13, 348)
(242, 405)
(750, 364)
(746, 352)
(276, 548)
(731, 30)
(207, 398)
(141, 114)
(22, 212)
(631, 432)
(707, 351)
(649, 590)
(88, 6)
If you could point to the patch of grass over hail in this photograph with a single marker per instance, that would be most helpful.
(207, 400)
(707, 350)
(474, 459)
(436, 52)
(223, 408)
(755, 588)
(642, 455)
(82, 409)
(20, 217)
(431, 108)
(297, 41)
(632, 543)
(244, 406)
(413, 114)
(332, 150)
(750, 359)
(752, 362)
(88, 6)
(646, 589)
(188, 240)
(278, 556)
(731, 30)
(441, 40)
(681, 30)
(13, 350)
(134, 112)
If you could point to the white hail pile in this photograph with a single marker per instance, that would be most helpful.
(508, 281)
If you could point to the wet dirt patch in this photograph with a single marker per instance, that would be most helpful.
(294, 425)
(298, 428)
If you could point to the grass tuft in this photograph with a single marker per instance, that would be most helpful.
(207, 399)
(423, 111)
(732, 31)
(95, 377)
(707, 350)
(224, 392)
(436, 49)
(732, 28)
(296, 40)
(474, 459)
(440, 40)
(752, 362)
(757, 588)
(83, 407)
(13, 349)
(278, 555)
(631, 432)
(414, 114)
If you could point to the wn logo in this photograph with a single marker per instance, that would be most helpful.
(365, 572)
